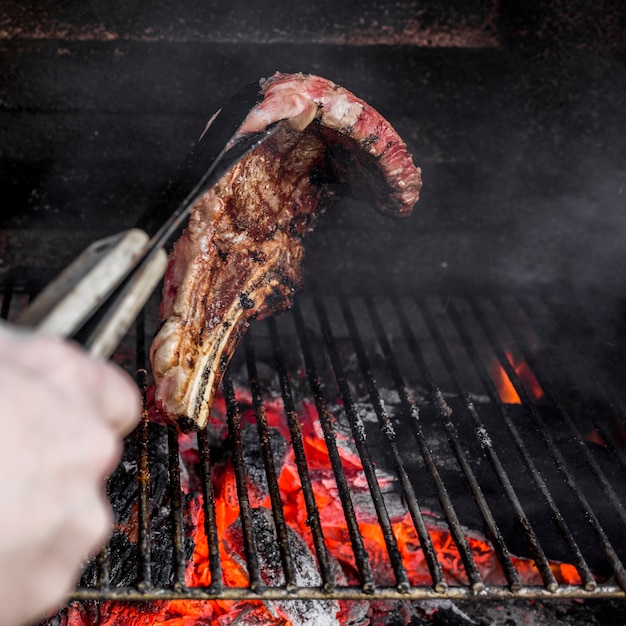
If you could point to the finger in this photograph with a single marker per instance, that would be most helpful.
(65, 364)
(117, 396)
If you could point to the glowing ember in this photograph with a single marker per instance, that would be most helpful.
(222, 612)
(505, 387)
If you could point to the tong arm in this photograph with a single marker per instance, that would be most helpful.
(99, 295)
(73, 298)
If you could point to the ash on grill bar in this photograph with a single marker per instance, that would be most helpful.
(435, 432)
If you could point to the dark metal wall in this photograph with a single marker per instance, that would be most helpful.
(516, 115)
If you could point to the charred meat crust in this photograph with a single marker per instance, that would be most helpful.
(241, 254)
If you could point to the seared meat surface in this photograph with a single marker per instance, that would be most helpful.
(241, 254)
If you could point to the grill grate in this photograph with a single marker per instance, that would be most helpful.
(411, 378)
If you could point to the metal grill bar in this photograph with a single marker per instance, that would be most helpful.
(502, 552)
(234, 428)
(358, 432)
(386, 427)
(534, 472)
(500, 547)
(268, 462)
(176, 517)
(295, 429)
(554, 452)
(360, 554)
(560, 461)
(210, 522)
(494, 459)
(609, 398)
(144, 561)
(412, 412)
(576, 326)
(103, 566)
(542, 379)
(101, 585)
(131, 594)
(541, 560)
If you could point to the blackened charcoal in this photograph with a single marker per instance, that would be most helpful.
(123, 493)
(255, 467)
(298, 612)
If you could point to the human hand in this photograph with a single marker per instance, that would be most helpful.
(62, 417)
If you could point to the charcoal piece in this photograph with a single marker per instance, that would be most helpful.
(298, 612)
(255, 468)
(123, 494)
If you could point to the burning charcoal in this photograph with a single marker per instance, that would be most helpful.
(353, 467)
(379, 449)
(298, 612)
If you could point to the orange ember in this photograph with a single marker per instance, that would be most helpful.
(505, 387)
(222, 613)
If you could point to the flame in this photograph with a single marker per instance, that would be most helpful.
(505, 387)
(222, 612)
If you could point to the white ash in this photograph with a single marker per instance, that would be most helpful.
(387, 428)
(479, 398)
(433, 606)
(367, 412)
(483, 437)
(359, 426)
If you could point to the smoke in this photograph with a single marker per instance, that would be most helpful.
(523, 156)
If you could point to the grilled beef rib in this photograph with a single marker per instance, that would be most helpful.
(241, 253)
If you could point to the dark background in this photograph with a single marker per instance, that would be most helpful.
(516, 115)
(516, 112)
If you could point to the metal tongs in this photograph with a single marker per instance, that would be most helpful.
(99, 295)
